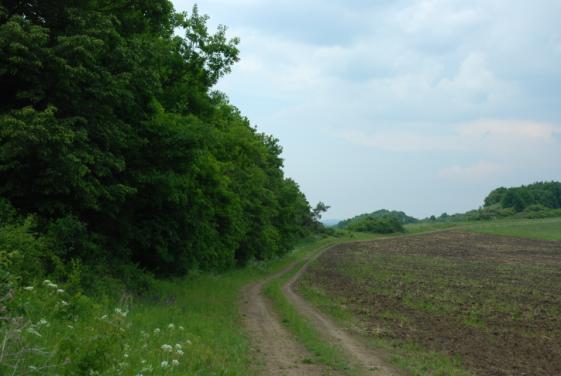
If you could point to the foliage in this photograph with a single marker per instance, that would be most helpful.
(399, 215)
(377, 225)
(544, 194)
(115, 146)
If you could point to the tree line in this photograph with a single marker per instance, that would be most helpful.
(116, 152)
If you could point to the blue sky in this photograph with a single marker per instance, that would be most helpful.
(422, 106)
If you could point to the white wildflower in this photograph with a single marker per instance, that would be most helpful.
(33, 368)
(70, 326)
(178, 346)
(60, 291)
(188, 342)
(179, 352)
(171, 326)
(164, 364)
(157, 330)
(43, 322)
(181, 328)
(166, 348)
(47, 282)
(64, 302)
(120, 312)
(28, 288)
(175, 362)
(103, 317)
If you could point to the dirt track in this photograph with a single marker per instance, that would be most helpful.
(275, 350)
(280, 354)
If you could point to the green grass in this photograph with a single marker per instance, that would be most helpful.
(546, 229)
(198, 316)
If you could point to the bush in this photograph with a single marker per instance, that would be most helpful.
(382, 225)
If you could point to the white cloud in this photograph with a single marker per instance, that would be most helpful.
(505, 136)
(472, 173)
(409, 81)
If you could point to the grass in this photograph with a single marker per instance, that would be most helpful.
(184, 327)
(545, 229)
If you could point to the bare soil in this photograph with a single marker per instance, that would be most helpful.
(492, 301)
(277, 352)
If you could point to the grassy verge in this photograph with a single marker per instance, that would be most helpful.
(183, 327)
(546, 229)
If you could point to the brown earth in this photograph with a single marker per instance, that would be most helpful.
(278, 352)
(492, 301)
(275, 350)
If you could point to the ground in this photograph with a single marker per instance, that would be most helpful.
(490, 303)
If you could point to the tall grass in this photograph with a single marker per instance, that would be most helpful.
(184, 327)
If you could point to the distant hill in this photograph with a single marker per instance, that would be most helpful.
(545, 194)
(330, 222)
(536, 200)
(383, 213)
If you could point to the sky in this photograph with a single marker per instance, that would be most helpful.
(422, 106)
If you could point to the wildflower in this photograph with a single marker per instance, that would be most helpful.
(33, 368)
(171, 326)
(164, 364)
(120, 312)
(70, 326)
(181, 328)
(178, 346)
(175, 362)
(47, 282)
(179, 352)
(188, 342)
(28, 288)
(64, 302)
(43, 322)
(60, 291)
(157, 330)
(166, 348)
(103, 317)
(125, 355)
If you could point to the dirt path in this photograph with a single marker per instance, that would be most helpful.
(369, 361)
(275, 347)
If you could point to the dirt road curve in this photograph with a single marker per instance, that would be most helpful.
(277, 350)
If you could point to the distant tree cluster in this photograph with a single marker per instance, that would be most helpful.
(400, 216)
(537, 200)
(544, 194)
(115, 150)
(381, 221)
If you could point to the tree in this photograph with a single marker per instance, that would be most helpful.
(319, 209)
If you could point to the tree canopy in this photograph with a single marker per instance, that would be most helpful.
(114, 141)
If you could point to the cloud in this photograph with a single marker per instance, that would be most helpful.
(430, 89)
(472, 173)
(510, 136)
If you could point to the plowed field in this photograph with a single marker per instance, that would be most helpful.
(494, 302)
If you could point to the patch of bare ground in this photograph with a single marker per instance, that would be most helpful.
(275, 350)
(493, 301)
